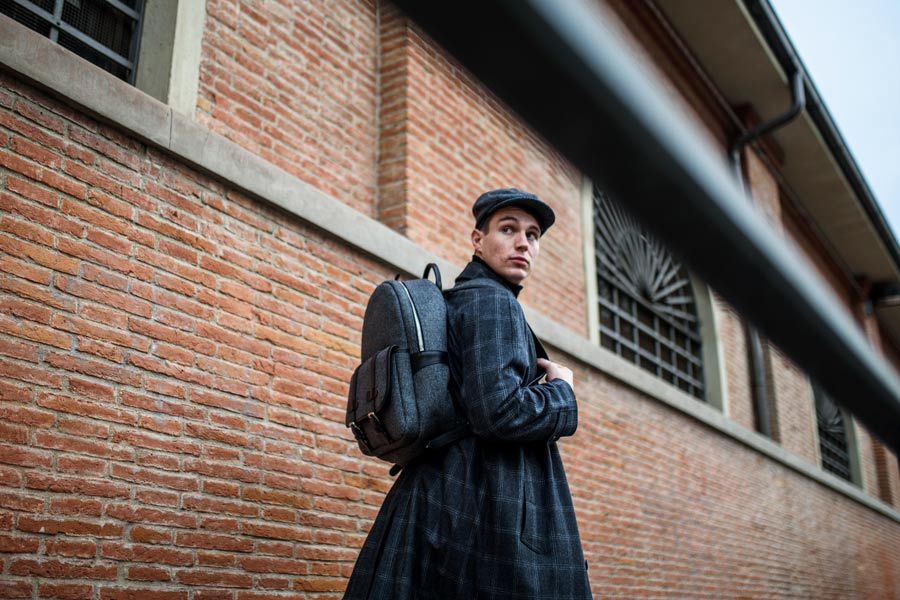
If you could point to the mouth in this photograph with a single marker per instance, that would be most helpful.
(519, 261)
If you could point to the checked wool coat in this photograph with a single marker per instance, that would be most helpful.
(489, 516)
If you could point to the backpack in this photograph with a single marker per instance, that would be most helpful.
(399, 404)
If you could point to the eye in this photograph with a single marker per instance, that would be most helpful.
(506, 229)
(533, 236)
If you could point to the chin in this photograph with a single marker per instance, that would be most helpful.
(516, 275)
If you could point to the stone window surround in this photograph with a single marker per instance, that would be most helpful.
(32, 58)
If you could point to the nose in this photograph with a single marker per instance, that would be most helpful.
(522, 240)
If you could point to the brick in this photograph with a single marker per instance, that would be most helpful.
(38, 193)
(82, 465)
(156, 404)
(75, 548)
(35, 152)
(213, 541)
(142, 553)
(76, 506)
(15, 589)
(141, 439)
(147, 476)
(66, 591)
(39, 215)
(68, 527)
(117, 300)
(19, 544)
(93, 330)
(137, 593)
(216, 559)
(152, 516)
(83, 427)
(41, 116)
(39, 254)
(21, 502)
(106, 147)
(223, 507)
(76, 485)
(144, 573)
(25, 415)
(35, 332)
(278, 531)
(26, 457)
(214, 578)
(92, 254)
(43, 175)
(151, 535)
(72, 405)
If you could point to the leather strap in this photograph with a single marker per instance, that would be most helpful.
(420, 360)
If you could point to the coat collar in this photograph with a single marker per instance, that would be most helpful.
(478, 268)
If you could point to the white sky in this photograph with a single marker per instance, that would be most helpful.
(851, 49)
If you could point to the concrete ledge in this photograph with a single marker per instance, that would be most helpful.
(32, 57)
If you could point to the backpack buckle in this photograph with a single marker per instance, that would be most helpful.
(360, 436)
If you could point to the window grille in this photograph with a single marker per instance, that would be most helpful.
(834, 445)
(647, 310)
(105, 32)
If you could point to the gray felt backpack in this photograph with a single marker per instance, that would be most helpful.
(399, 403)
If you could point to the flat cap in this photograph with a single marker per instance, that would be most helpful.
(489, 202)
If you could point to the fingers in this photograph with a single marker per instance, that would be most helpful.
(556, 371)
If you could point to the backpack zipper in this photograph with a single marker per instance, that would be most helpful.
(416, 319)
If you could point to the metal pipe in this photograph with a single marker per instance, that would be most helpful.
(760, 398)
(798, 103)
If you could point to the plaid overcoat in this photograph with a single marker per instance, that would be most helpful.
(489, 516)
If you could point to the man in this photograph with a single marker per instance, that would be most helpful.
(489, 516)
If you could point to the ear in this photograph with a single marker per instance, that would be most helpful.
(477, 237)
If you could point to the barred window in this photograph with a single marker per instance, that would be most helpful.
(834, 442)
(105, 32)
(647, 309)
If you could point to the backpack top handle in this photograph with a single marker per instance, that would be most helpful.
(437, 274)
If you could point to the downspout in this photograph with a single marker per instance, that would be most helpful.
(757, 368)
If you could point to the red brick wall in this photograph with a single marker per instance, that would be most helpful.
(669, 508)
(294, 82)
(173, 365)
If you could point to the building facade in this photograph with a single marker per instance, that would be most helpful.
(188, 236)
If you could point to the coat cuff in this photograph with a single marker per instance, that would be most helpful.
(567, 417)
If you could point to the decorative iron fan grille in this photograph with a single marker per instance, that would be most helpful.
(105, 32)
(833, 443)
(647, 310)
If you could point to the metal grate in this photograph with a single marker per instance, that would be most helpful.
(647, 310)
(833, 444)
(104, 32)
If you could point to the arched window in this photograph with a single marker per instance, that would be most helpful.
(648, 313)
(836, 445)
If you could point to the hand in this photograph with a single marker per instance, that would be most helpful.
(556, 371)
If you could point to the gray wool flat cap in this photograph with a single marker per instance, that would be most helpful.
(489, 202)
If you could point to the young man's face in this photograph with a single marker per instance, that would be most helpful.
(510, 246)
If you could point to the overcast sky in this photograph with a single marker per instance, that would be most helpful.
(851, 48)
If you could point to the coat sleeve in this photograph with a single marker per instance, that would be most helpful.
(492, 349)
